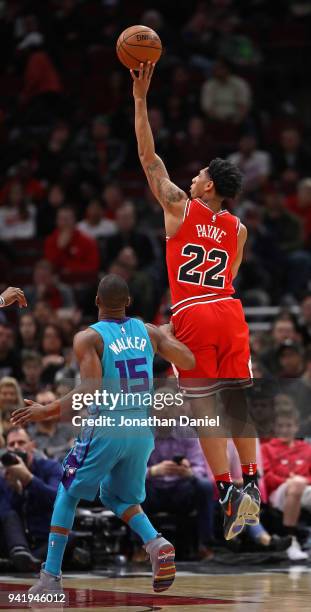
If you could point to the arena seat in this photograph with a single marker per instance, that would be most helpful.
(260, 318)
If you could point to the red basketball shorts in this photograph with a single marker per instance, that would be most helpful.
(217, 334)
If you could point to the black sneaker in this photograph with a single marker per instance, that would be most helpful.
(279, 544)
(276, 545)
(252, 516)
(235, 506)
(23, 560)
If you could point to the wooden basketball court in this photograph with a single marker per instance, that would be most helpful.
(261, 591)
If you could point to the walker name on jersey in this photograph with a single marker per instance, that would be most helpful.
(210, 231)
(124, 344)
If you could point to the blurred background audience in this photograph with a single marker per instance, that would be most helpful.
(74, 205)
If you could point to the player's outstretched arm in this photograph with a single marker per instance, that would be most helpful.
(242, 237)
(88, 347)
(166, 192)
(11, 295)
(165, 343)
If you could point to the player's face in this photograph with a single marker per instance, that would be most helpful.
(201, 184)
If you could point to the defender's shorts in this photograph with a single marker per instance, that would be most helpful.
(119, 461)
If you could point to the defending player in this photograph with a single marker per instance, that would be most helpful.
(115, 353)
(204, 251)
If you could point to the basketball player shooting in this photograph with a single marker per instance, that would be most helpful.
(115, 353)
(204, 251)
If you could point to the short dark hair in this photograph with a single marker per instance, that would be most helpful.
(15, 428)
(226, 177)
(113, 291)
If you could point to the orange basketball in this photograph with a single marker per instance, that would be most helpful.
(138, 44)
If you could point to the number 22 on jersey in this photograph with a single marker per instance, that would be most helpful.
(213, 277)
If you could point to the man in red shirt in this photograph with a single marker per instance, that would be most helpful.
(40, 75)
(69, 250)
(287, 473)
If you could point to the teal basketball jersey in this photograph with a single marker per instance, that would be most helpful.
(127, 361)
(127, 378)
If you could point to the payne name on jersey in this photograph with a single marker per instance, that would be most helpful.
(210, 231)
(126, 343)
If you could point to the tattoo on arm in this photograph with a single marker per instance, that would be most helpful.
(155, 166)
(173, 193)
(158, 178)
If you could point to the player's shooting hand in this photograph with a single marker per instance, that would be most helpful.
(14, 294)
(141, 82)
(32, 412)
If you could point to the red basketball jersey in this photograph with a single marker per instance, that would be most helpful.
(200, 256)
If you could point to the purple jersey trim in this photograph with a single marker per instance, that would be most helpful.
(72, 464)
(119, 321)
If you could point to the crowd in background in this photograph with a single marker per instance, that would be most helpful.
(74, 203)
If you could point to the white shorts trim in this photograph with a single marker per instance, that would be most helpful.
(230, 381)
(250, 368)
(194, 297)
(205, 302)
(208, 391)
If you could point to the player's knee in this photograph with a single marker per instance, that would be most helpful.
(112, 503)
